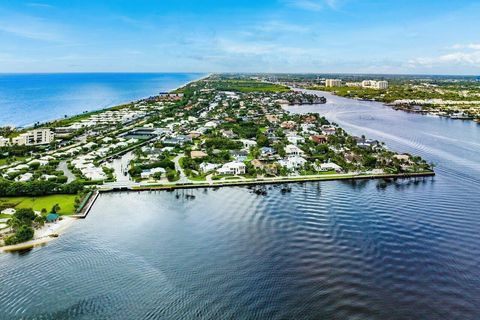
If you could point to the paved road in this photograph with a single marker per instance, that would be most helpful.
(183, 177)
(62, 166)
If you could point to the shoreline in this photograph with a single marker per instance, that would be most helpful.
(42, 236)
(265, 181)
(399, 107)
(32, 125)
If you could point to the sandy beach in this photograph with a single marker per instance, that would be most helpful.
(43, 235)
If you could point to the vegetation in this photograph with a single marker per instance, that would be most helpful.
(21, 224)
(66, 203)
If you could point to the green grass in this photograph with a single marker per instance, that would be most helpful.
(197, 178)
(65, 201)
(247, 86)
(4, 160)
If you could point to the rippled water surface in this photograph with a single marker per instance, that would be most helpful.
(344, 250)
(45, 97)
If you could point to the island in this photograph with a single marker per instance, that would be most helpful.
(222, 130)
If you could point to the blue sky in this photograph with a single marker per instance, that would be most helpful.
(376, 36)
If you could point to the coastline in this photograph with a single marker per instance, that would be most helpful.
(101, 109)
(398, 107)
(44, 235)
(265, 181)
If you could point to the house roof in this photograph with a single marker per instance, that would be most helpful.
(52, 217)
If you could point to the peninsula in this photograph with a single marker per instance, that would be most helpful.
(222, 130)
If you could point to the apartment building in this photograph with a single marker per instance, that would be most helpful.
(34, 137)
(333, 83)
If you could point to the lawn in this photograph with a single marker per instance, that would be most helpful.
(5, 160)
(65, 201)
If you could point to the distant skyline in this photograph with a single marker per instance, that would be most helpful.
(314, 36)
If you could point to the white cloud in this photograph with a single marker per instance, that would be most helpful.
(474, 46)
(467, 55)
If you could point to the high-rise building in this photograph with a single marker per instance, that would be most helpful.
(333, 83)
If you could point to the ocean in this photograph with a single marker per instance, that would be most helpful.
(29, 98)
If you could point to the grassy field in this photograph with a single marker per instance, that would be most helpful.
(5, 160)
(65, 201)
(247, 86)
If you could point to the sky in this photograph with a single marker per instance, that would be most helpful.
(303, 36)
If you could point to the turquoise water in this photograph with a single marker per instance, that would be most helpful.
(29, 98)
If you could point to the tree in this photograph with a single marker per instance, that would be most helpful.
(56, 208)
(39, 221)
(25, 215)
(25, 233)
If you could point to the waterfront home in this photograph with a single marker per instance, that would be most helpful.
(329, 131)
(402, 157)
(150, 172)
(232, 168)
(293, 151)
(206, 166)
(329, 166)
(366, 143)
(293, 162)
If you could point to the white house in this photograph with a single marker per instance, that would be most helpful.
(293, 151)
(295, 139)
(148, 173)
(206, 166)
(233, 168)
(330, 166)
(293, 163)
(248, 143)
(25, 177)
(4, 141)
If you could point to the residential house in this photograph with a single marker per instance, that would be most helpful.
(150, 172)
(295, 139)
(248, 143)
(239, 155)
(206, 166)
(330, 166)
(319, 139)
(232, 168)
(197, 154)
(293, 151)
(293, 163)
